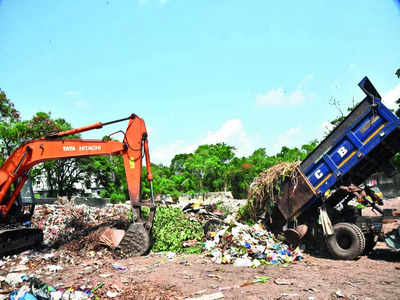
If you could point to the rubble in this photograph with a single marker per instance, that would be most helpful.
(62, 223)
(248, 246)
(265, 189)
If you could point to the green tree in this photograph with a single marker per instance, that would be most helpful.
(12, 129)
(7, 109)
(209, 166)
(107, 172)
(62, 175)
(178, 162)
(246, 168)
(163, 182)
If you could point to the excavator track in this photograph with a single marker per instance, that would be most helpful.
(17, 239)
(135, 242)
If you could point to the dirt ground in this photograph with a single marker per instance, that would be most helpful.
(162, 276)
(171, 276)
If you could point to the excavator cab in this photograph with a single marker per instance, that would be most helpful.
(23, 206)
(26, 196)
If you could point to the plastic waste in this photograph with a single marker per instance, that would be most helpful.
(75, 295)
(117, 267)
(39, 289)
(100, 285)
(171, 255)
(110, 294)
(214, 296)
(16, 295)
(243, 262)
(249, 246)
(13, 278)
(54, 268)
(57, 295)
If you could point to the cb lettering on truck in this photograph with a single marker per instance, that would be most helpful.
(318, 174)
(342, 151)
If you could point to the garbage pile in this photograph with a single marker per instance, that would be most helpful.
(64, 223)
(264, 191)
(32, 288)
(57, 274)
(249, 246)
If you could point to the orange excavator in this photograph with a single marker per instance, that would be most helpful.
(16, 195)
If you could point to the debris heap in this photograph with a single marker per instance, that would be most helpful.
(244, 245)
(63, 223)
(264, 191)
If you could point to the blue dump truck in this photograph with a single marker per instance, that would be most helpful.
(327, 193)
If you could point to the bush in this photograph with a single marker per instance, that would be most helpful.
(171, 227)
(117, 197)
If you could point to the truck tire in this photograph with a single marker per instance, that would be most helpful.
(348, 241)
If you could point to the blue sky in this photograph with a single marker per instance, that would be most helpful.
(249, 73)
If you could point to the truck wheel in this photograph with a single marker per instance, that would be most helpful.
(348, 242)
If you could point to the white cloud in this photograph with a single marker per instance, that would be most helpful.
(290, 138)
(231, 132)
(390, 98)
(141, 2)
(279, 97)
(304, 82)
(72, 93)
(81, 103)
(165, 154)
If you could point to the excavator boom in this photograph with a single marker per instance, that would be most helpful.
(14, 172)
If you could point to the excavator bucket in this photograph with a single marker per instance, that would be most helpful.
(135, 241)
(111, 237)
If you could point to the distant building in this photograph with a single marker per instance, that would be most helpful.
(41, 187)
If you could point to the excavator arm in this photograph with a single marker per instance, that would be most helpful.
(134, 146)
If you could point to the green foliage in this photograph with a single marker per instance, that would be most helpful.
(209, 166)
(171, 227)
(7, 109)
(398, 73)
(109, 173)
(245, 215)
(224, 209)
(117, 197)
(145, 212)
